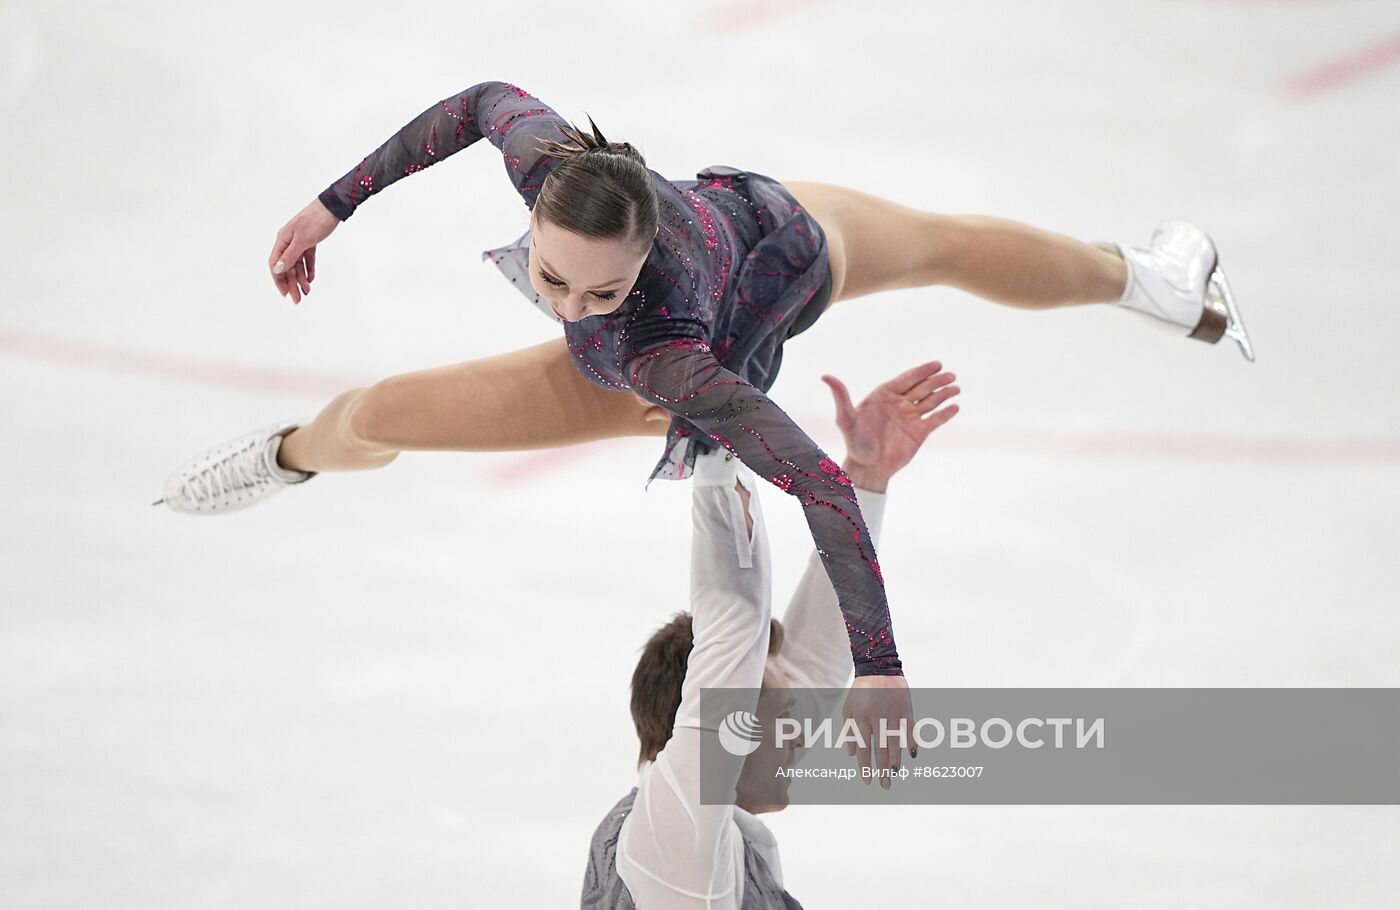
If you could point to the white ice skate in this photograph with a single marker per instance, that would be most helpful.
(1177, 280)
(232, 476)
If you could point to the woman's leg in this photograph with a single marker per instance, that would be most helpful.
(533, 398)
(878, 245)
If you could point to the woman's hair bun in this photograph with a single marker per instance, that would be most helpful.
(597, 188)
(577, 142)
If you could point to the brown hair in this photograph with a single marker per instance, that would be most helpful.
(656, 683)
(599, 189)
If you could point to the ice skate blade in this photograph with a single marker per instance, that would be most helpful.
(1218, 292)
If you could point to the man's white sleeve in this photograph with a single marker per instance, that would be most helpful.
(673, 851)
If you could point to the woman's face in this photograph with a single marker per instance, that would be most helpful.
(581, 276)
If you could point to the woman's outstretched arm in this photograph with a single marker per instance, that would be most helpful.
(684, 377)
(510, 118)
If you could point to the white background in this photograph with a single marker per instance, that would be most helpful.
(409, 688)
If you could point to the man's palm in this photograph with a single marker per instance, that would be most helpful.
(887, 428)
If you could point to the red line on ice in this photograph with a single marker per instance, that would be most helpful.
(1346, 70)
(530, 465)
(1151, 446)
(747, 14)
(85, 355)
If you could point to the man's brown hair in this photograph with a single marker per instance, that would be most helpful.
(656, 683)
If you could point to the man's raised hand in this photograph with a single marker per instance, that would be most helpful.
(886, 429)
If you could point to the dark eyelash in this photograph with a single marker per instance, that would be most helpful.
(610, 295)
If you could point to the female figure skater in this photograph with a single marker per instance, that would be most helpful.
(681, 293)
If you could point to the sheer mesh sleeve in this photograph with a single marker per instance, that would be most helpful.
(509, 117)
(684, 377)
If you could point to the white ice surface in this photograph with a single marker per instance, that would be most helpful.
(409, 688)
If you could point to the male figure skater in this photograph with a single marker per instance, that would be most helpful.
(660, 847)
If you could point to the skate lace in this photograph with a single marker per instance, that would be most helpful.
(228, 475)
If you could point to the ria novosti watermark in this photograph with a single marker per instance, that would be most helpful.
(955, 732)
(1091, 746)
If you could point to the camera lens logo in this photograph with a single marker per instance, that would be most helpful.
(740, 732)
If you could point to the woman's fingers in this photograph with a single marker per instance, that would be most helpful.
(279, 245)
(894, 751)
(902, 738)
(876, 755)
(290, 256)
(856, 712)
(293, 288)
(292, 261)
(881, 705)
(863, 748)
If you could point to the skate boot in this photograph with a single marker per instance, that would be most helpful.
(234, 475)
(1177, 280)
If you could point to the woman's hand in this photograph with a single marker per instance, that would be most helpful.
(885, 430)
(878, 703)
(293, 259)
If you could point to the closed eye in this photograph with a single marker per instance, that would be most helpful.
(555, 282)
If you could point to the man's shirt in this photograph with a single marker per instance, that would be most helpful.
(673, 851)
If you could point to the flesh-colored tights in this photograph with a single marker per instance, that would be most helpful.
(534, 398)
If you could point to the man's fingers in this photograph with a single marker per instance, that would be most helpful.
(938, 418)
(299, 276)
(905, 381)
(842, 396)
(937, 398)
(929, 385)
(310, 259)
